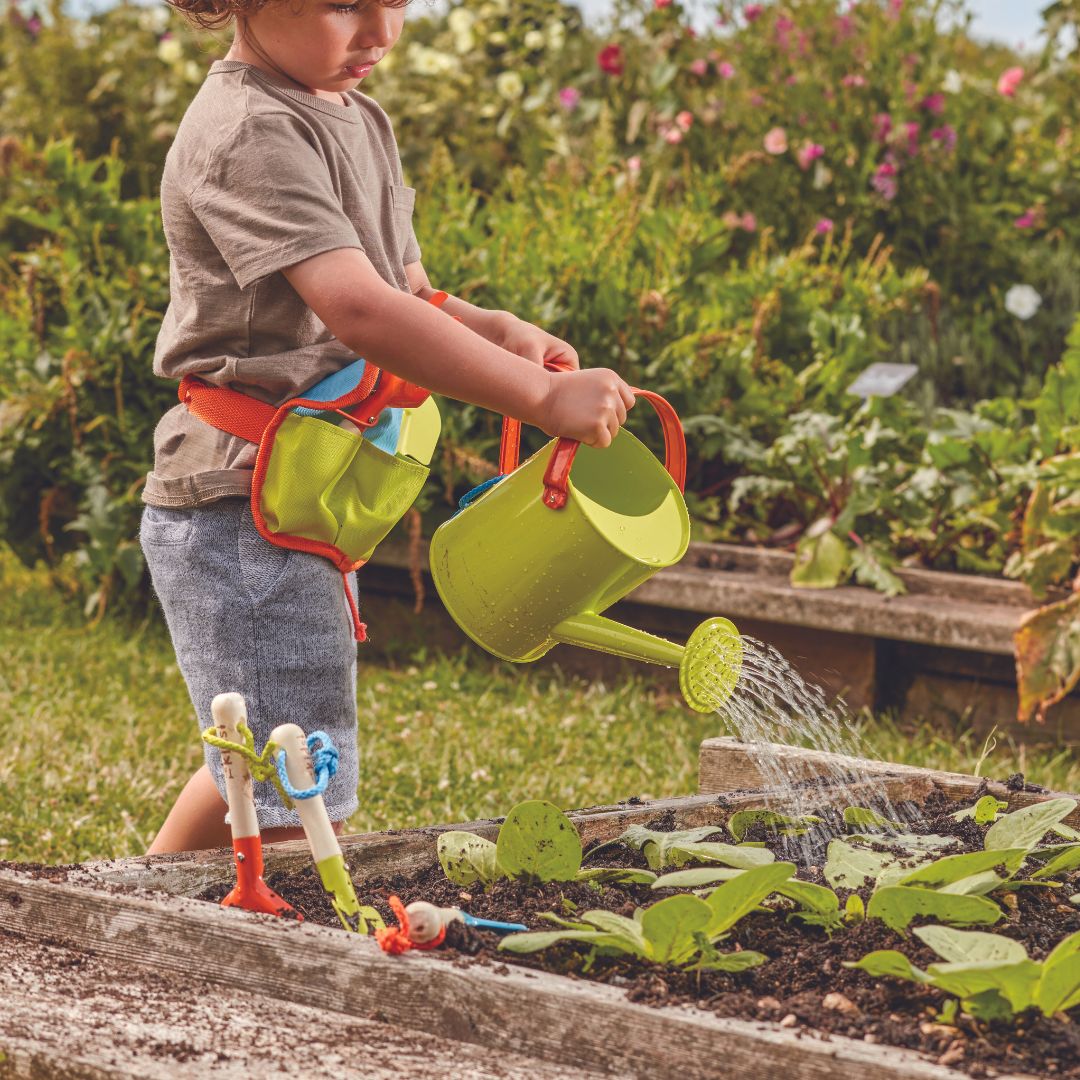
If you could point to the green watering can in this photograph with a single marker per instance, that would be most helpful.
(534, 556)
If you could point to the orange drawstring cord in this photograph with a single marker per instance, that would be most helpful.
(359, 628)
(395, 940)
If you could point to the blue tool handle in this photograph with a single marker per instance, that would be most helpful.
(490, 924)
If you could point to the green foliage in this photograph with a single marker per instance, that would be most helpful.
(537, 843)
(991, 975)
(783, 824)
(897, 905)
(681, 929)
(1027, 826)
(667, 849)
(983, 812)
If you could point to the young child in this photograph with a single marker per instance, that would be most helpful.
(292, 253)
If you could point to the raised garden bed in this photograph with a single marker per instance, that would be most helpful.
(623, 1021)
(944, 648)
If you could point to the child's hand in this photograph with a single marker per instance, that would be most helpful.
(589, 406)
(532, 343)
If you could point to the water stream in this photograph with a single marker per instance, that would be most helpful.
(773, 704)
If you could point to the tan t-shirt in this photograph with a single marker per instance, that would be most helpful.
(261, 177)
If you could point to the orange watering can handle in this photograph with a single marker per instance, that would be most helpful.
(557, 473)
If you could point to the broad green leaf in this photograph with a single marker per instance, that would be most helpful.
(1059, 987)
(785, 825)
(848, 866)
(1062, 863)
(538, 842)
(907, 841)
(897, 905)
(466, 858)
(854, 909)
(821, 558)
(1026, 827)
(742, 858)
(970, 946)
(616, 875)
(1016, 981)
(954, 868)
(889, 962)
(983, 812)
(1065, 831)
(656, 846)
(669, 927)
(535, 940)
(860, 815)
(976, 884)
(732, 962)
(818, 906)
(739, 896)
(696, 877)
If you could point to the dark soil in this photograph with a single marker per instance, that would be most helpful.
(803, 985)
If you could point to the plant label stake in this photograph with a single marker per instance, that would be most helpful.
(535, 555)
(251, 892)
(297, 773)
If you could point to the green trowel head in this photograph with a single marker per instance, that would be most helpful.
(710, 665)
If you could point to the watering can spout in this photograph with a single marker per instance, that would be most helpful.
(709, 663)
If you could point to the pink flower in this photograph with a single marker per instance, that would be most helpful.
(895, 8)
(33, 26)
(882, 127)
(884, 181)
(748, 223)
(610, 59)
(633, 165)
(1026, 220)
(699, 67)
(808, 154)
(824, 226)
(672, 135)
(753, 12)
(845, 27)
(946, 136)
(776, 141)
(853, 80)
(792, 79)
(726, 70)
(1008, 82)
(911, 132)
(569, 96)
(784, 26)
(684, 120)
(757, 100)
(933, 104)
(661, 3)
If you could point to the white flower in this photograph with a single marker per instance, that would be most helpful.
(1022, 301)
(170, 50)
(497, 37)
(193, 72)
(509, 85)
(556, 35)
(155, 19)
(460, 20)
(953, 82)
(427, 61)
(534, 39)
(822, 176)
(464, 42)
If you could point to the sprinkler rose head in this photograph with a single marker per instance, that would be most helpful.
(710, 666)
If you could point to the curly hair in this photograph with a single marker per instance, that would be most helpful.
(216, 14)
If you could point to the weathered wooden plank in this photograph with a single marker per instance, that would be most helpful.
(728, 765)
(71, 1014)
(410, 850)
(570, 1022)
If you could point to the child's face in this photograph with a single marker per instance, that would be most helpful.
(327, 46)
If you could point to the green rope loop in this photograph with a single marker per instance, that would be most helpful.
(261, 766)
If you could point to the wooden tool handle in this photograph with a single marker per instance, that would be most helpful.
(229, 711)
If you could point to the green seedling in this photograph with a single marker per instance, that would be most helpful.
(681, 930)
(672, 849)
(984, 812)
(782, 824)
(992, 976)
(537, 842)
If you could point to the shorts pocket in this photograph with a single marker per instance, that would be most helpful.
(262, 564)
(166, 527)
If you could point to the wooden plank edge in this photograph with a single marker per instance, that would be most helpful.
(410, 850)
(727, 765)
(545, 1016)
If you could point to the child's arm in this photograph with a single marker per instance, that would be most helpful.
(501, 327)
(411, 338)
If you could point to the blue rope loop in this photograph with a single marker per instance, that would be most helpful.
(470, 497)
(324, 760)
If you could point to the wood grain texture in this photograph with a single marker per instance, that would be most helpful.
(571, 1023)
(727, 765)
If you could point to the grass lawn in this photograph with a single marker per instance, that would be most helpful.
(100, 735)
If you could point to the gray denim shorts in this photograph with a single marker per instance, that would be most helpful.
(268, 623)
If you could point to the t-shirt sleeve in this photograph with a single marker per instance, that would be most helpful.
(267, 200)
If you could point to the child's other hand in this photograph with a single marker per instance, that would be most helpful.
(589, 406)
(532, 343)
